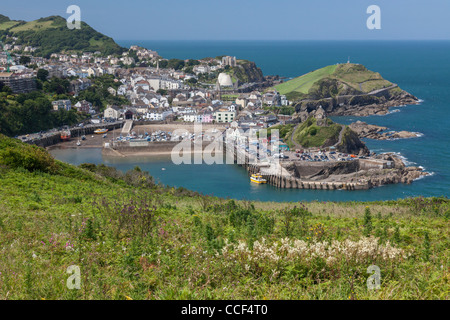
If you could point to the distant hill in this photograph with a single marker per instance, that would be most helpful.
(344, 89)
(4, 18)
(334, 80)
(51, 35)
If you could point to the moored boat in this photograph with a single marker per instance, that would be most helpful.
(101, 131)
(257, 178)
(66, 135)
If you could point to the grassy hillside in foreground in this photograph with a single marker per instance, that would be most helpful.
(133, 239)
(51, 35)
(339, 79)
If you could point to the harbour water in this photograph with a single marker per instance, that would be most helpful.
(419, 67)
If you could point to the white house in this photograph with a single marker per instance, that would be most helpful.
(84, 106)
(111, 112)
(158, 114)
(190, 117)
(224, 115)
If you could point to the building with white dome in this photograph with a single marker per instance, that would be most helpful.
(225, 80)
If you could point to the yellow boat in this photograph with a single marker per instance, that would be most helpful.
(257, 178)
(100, 131)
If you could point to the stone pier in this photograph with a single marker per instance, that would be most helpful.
(290, 182)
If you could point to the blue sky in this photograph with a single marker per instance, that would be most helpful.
(248, 19)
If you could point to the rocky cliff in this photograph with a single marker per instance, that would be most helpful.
(351, 144)
(371, 131)
(247, 71)
(357, 105)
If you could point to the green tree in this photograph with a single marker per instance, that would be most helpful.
(24, 60)
(176, 64)
(6, 89)
(192, 62)
(163, 64)
(56, 85)
(42, 75)
(189, 70)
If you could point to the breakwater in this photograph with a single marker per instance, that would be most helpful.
(289, 181)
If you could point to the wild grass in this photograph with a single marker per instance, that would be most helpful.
(375, 85)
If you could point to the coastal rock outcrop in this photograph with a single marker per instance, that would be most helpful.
(360, 105)
(354, 172)
(345, 89)
(351, 144)
(371, 131)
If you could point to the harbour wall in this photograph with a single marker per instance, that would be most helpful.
(291, 182)
(139, 147)
(306, 168)
(55, 138)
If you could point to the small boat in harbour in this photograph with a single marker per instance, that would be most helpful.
(257, 178)
(65, 134)
(101, 131)
(78, 143)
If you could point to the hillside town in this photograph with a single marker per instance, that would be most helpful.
(202, 91)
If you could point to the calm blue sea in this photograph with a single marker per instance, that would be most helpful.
(419, 67)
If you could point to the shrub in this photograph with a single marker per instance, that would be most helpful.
(280, 257)
(426, 247)
(132, 217)
(289, 215)
(134, 178)
(16, 154)
(367, 222)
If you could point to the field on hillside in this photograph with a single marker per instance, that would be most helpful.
(303, 83)
(7, 24)
(132, 239)
(360, 78)
(35, 25)
(354, 76)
